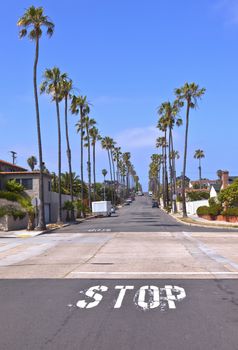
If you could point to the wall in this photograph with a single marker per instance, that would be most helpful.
(192, 206)
(54, 206)
(7, 223)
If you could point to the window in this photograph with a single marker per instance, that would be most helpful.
(27, 184)
(49, 186)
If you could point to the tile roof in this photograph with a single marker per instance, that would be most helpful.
(23, 173)
(12, 165)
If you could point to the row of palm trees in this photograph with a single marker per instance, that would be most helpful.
(60, 88)
(169, 117)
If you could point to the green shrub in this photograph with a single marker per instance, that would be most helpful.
(230, 212)
(198, 195)
(12, 211)
(203, 210)
(10, 196)
(13, 186)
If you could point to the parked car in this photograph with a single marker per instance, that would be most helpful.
(150, 193)
(127, 202)
(155, 204)
(130, 199)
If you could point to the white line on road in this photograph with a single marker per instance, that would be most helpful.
(154, 273)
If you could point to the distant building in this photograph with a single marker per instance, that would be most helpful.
(9, 167)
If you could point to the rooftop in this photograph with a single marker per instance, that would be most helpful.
(3, 162)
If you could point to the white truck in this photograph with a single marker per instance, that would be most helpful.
(101, 208)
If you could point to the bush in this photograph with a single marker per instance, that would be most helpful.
(12, 211)
(213, 211)
(203, 210)
(198, 195)
(13, 186)
(230, 212)
(10, 196)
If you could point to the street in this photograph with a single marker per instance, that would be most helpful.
(136, 280)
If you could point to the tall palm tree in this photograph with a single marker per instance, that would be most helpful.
(52, 85)
(80, 105)
(88, 123)
(107, 144)
(169, 112)
(162, 143)
(32, 162)
(104, 173)
(189, 94)
(199, 154)
(66, 88)
(94, 134)
(33, 21)
(126, 158)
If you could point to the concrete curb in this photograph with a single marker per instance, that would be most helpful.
(196, 223)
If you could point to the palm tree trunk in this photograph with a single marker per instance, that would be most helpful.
(184, 162)
(163, 178)
(173, 182)
(81, 165)
(69, 156)
(114, 178)
(170, 166)
(110, 168)
(200, 173)
(89, 169)
(41, 217)
(59, 219)
(165, 170)
(94, 171)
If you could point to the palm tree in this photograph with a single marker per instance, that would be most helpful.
(32, 161)
(80, 105)
(52, 86)
(34, 20)
(126, 158)
(189, 94)
(162, 143)
(94, 134)
(104, 173)
(199, 154)
(88, 123)
(107, 144)
(66, 88)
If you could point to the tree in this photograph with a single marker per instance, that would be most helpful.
(80, 105)
(162, 143)
(33, 21)
(32, 162)
(189, 94)
(108, 144)
(52, 86)
(66, 88)
(94, 135)
(199, 154)
(88, 123)
(169, 112)
(228, 197)
(104, 173)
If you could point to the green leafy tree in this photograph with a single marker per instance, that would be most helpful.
(31, 24)
(229, 196)
(189, 95)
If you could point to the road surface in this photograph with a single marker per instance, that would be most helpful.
(139, 280)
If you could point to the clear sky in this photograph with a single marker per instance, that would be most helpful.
(127, 56)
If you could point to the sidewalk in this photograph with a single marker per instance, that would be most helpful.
(194, 219)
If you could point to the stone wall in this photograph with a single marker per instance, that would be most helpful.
(8, 223)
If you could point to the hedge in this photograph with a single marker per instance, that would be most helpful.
(12, 211)
(198, 195)
(230, 212)
(205, 210)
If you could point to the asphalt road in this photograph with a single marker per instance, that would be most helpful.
(137, 217)
(46, 301)
(47, 314)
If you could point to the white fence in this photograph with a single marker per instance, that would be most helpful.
(192, 206)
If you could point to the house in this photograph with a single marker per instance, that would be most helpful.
(5, 166)
(202, 184)
(30, 180)
(223, 183)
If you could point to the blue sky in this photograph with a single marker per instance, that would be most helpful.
(127, 57)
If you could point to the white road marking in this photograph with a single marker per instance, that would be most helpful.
(146, 298)
(154, 273)
(121, 295)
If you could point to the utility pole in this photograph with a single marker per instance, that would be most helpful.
(14, 156)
